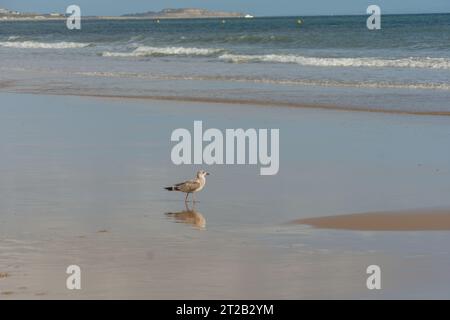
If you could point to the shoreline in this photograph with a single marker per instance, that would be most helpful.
(246, 102)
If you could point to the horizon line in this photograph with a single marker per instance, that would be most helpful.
(255, 16)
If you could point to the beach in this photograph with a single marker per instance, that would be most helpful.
(81, 188)
(86, 120)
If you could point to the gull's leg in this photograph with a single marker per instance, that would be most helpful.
(193, 199)
(186, 199)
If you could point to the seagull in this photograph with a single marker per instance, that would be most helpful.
(191, 186)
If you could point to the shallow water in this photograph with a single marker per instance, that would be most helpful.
(81, 183)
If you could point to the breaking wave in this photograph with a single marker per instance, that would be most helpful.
(430, 63)
(43, 45)
(145, 51)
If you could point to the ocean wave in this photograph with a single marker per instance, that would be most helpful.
(429, 63)
(145, 51)
(250, 38)
(238, 39)
(43, 45)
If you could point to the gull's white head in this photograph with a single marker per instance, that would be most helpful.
(202, 174)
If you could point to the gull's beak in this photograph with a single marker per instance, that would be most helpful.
(207, 173)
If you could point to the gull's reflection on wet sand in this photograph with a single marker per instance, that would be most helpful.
(189, 216)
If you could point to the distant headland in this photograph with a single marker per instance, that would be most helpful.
(186, 13)
(182, 13)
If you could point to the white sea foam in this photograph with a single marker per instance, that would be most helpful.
(43, 45)
(145, 51)
(430, 63)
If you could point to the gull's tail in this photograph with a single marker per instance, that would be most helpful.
(171, 189)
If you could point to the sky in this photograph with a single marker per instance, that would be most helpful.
(255, 7)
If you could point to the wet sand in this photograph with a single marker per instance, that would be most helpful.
(264, 103)
(419, 220)
(82, 183)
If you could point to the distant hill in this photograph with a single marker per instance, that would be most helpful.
(185, 13)
(6, 14)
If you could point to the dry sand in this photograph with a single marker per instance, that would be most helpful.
(415, 220)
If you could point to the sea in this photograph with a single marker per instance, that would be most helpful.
(310, 61)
